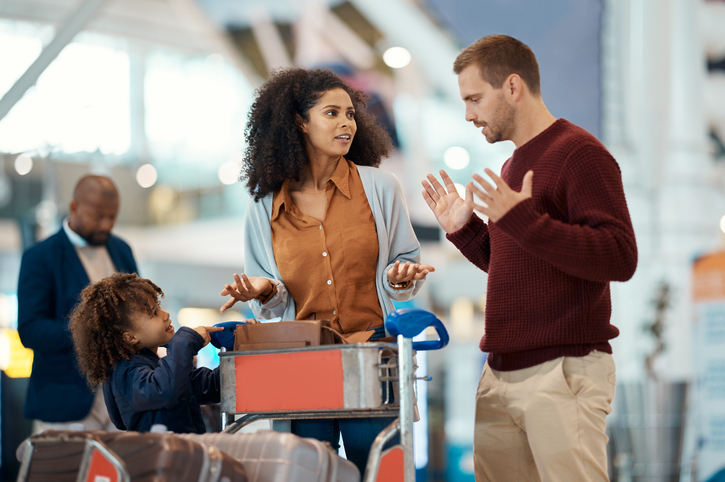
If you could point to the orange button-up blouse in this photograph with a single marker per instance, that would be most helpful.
(329, 266)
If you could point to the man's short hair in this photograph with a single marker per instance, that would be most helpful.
(497, 57)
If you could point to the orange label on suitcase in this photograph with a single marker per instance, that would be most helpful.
(101, 469)
(392, 466)
(289, 381)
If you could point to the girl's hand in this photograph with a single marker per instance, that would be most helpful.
(244, 289)
(406, 272)
(205, 330)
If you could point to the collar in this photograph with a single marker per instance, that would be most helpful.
(340, 179)
(75, 238)
(281, 197)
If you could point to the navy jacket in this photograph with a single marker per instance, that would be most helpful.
(146, 389)
(51, 280)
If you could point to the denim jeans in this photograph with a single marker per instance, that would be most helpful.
(358, 434)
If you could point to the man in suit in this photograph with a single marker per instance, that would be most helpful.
(52, 275)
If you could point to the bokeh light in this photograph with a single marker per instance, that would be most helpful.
(456, 157)
(146, 175)
(396, 57)
(23, 164)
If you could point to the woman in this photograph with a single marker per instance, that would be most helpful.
(328, 235)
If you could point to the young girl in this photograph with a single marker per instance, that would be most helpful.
(117, 329)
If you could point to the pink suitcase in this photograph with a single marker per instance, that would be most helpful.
(274, 456)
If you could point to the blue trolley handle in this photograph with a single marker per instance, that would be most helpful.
(225, 338)
(411, 322)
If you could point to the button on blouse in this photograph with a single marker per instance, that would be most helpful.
(339, 285)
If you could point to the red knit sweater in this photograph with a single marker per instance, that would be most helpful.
(550, 259)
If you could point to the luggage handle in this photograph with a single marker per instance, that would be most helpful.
(225, 338)
(411, 322)
(337, 334)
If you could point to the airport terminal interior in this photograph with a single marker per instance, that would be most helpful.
(156, 94)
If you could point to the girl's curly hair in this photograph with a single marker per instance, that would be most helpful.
(105, 311)
(275, 145)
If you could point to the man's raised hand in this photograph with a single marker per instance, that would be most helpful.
(451, 210)
(500, 199)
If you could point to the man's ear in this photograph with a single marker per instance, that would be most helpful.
(130, 338)
(514, 86)
(73, 207)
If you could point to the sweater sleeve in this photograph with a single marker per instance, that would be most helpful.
(403, 245)
(596, 242)
(259, 261)
(159, 388)
(473, 242)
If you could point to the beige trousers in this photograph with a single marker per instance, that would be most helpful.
(545, 423)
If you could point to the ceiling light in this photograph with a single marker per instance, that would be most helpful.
(146, 175)
(228, 172)
(396, 57)
(456, 157)
(23, 164)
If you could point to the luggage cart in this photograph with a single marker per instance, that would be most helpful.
(336, 381)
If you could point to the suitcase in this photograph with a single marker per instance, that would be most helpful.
(274, 456)
(58, 456)
(284, 335)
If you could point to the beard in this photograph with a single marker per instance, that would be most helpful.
(502, 125)
(97, 238)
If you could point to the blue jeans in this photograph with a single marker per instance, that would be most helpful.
(358, 434)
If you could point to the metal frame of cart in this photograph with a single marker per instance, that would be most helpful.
(334, 381)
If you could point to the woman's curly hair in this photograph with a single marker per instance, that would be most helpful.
(276, 146)
(106, 310)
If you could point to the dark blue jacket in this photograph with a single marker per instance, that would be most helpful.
(51, 280)
(147, 389)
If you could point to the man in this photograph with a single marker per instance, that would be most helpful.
(52, 275)
(558, 232)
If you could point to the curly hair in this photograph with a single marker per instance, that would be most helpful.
(275, 145)
(98, 322)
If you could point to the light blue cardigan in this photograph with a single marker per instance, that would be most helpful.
(396, 241)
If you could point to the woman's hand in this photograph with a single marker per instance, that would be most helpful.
(244, 289)
(407, 272)
(204, 332)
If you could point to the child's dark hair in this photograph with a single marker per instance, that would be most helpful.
(105, 311)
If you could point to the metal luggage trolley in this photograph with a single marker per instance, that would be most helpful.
(336, 381)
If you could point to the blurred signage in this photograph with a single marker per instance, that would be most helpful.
(708, 282)
(15, 360)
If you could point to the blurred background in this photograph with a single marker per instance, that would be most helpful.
(155, 93)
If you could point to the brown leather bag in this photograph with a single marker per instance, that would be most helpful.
(285, 334)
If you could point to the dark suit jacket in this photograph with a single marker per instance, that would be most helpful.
(51, 279)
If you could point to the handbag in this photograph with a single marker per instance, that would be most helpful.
(285, 334)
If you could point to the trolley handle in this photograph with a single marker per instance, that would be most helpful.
(225, 338)
(411, 322)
